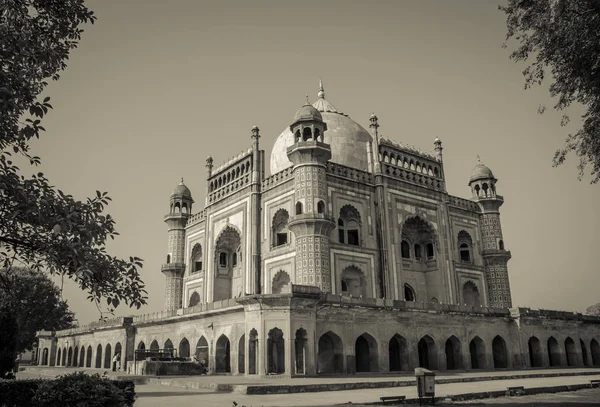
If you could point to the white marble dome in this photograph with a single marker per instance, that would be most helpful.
(347, 138)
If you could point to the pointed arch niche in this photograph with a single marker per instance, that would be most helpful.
(418, 243)
(228, 259)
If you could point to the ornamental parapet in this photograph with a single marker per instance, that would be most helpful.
(349, 173)
(93, 326)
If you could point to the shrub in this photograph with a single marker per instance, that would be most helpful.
(73, 390)
(17, 392)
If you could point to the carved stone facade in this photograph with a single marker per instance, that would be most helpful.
(350, 257)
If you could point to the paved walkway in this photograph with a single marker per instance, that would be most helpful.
(151, 395)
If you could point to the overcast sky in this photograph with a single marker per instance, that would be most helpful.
(156, 86)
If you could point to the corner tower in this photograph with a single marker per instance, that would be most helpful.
(311, 223)
(174, 268)
(495, 256)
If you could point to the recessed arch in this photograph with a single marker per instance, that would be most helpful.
(398, 353)
(223, 355)
(227, 245)
(409, 293)
(184, 348)
(168, 344)
(584, 355)
(500, 353)
(349, 225)
(427, 353)
(194, 299)
(88, 356)
(281, 283)
(75, 357)
(354, 281)
(202, 351)
(154, 345)
(82, 356)
(554, 356)
(477, 351)
(453, 353)
(330, 357)
(242, 354)
(535, 352)
(471, 295)
(595, 351)
(280, 232)
(275, 351)
(196, 258)
(107, 356)
(570, 352)
(366, 355)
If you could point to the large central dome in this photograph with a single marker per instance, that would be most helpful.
(347, 138)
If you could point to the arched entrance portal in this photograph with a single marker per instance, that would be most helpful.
(477, 351)
(500, 353)
(223, 355)
(365, 351)
(571, 352)
(595, 350)
(453, 353)
(275, 352)
(398, 353)
(427, 353)
(242, 354)
(535, 352)
(184, 348)
(202, 351)
(330, 357)
(553, 352)
(584, 355)
(107, 356)
(253, 352)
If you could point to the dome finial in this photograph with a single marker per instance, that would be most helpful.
(321, 93)
(181, 180)
(478, 158)
(307, 102)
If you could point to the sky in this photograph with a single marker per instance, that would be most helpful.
(155, 87)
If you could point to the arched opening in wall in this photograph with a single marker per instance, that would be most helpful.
(281, 283)
(420, 233)
(196, 259)
(228, 243)
(398, 353)
(500, 353)
(107, 356)
(595, 351)
(168, 258)
(202, 351)
(427, 353)
(535, 352)
(320, 207)
(409, 293)
(223, 355)
(453, 354)
(501, 244)
(584, 355)
(365, 354)
(571, 352)
(430, 251)
(45, 357)
(184, 348)
(75, 357)
(318, 135)
(279, 228)
(82, 356)
(177, 207)
(252, 351)
(405, 249)
(298, 208)
(194, 299)
(88, 356)
(119, 356)
(349, 225)
(141, 346)
(70, 356)
(275, 352)
(344, 288)
(154, 345)
(471, 295)
(465, 245)
(485, 189)
(418, 254)
(168, 345)
(58, 357)
(184, 208)
(477, 351)
(306, 134)
(330, 358)
(298, 136)
(355, 282)
(553, 352)
(300, 348)
(242, 354)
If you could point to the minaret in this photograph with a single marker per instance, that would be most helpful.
(255, 205)
(311, 223)
(495, 256)
(174, 268)
(385, 289)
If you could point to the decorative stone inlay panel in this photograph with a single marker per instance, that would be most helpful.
(177, 245)
(491, 231)
(498, 286)
(312, 262)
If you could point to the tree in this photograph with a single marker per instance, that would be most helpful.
(35, 302)
(8, 343)
(593, 310)
(562, 37)
(41, 226)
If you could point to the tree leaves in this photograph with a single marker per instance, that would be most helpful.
(563, 38)
(40, 225)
